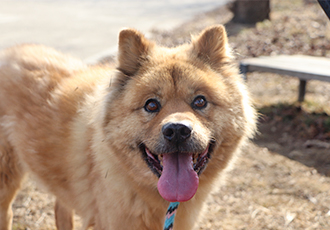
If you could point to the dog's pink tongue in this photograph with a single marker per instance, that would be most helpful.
(179, 181)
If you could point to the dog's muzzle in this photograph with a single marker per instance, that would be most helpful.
(179, 163)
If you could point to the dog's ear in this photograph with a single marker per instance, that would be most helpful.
(211, 46)
(133, 50)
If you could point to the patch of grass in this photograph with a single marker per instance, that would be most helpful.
(312, 106)
(17, 226)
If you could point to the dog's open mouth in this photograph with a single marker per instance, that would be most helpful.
(155, 162)
(178, 172)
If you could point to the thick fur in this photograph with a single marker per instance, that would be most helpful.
(78, 129)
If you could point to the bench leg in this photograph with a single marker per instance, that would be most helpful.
(302, 90)
(244, 70)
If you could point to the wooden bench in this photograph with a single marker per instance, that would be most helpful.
(301, 66)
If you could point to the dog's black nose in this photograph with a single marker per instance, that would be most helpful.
(176, 132)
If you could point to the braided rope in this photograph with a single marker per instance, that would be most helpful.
(170, 215)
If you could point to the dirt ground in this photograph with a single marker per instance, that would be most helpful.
(281, 179)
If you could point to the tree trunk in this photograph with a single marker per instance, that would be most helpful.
(250, 11)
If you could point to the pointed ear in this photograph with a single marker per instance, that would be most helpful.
(211, 46)
(133, 50)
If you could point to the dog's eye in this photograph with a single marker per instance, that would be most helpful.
(199, 102)
(152, 106)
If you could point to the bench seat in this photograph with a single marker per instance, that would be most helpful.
(302, 66)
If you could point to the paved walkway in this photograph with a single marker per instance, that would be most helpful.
(85, 28)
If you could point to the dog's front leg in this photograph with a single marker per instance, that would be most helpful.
(11, 175)
(63, 216)
(6, 215)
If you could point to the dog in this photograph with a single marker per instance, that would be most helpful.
(117, 145)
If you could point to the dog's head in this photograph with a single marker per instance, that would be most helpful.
(180, 111)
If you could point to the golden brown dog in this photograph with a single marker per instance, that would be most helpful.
(116, 146)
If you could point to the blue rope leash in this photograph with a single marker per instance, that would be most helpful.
(170, 215)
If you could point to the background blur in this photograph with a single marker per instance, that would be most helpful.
(84, 28)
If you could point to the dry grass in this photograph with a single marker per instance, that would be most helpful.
(268, 191)
(265, 190)
(33, 209)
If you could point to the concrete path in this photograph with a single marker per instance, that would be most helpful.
(85, 28)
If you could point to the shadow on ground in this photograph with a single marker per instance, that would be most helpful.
(294, 133)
